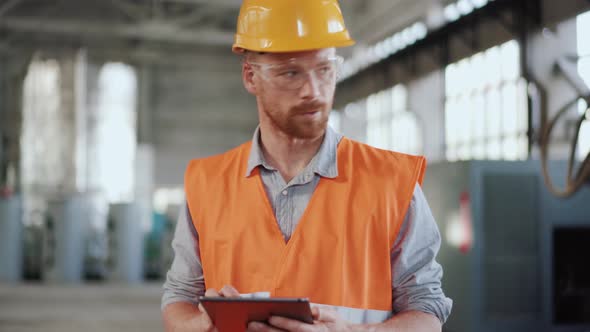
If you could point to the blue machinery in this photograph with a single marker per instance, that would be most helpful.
(515, 256)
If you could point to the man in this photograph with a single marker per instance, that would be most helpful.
(301, 211)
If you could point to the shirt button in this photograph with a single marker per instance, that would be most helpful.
(285, 192)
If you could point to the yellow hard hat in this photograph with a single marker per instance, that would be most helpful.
(290, 25)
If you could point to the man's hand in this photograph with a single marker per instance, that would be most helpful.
(179, 317)
(226, 291)
(325, 320)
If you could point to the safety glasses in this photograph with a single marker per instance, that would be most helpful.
(294, 73)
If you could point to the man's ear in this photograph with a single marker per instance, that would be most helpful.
(248, 78)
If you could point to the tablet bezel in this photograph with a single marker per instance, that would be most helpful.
(260, 309)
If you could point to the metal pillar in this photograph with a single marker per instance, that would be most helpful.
(11, 239)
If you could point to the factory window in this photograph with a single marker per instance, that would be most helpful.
(400, 40)
(455, 10)
(45, 141)
(486, 113)
(583, 25)
(115, 132)
(166, 198)
(334, 121)
(387, 122)
(352, 121)
(390, 125)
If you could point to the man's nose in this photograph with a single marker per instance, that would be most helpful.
(311, 86)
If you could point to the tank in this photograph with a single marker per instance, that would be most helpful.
(64, 239)
(125, 234)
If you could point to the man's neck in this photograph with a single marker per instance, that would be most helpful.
(287, 154)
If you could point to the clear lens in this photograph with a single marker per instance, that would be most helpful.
(292, 75)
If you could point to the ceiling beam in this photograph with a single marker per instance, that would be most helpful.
(216, 3)
(161, 32)
(386, 18)
(135, 12)
(7, 6)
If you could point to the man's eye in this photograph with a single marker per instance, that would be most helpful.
(290, 73)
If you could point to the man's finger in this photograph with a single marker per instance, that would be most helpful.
(229, 291)
(324, 314)
(261, 327)
(212, 292)
(287, 324)
(315, 312)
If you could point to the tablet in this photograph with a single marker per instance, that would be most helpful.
(234, 314)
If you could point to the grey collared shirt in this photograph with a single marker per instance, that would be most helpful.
(416, 276)
(289, 200)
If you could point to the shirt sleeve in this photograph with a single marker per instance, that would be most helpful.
(184, 281)
(416, 276)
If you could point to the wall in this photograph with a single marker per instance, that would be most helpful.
(50, 139)
(426, 99)
(12, 72)
(198, 110)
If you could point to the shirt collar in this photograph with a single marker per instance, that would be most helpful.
(324, 163)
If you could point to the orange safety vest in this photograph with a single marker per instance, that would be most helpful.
(339, 254)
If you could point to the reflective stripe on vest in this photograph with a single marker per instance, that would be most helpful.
(360, 316)
(339, 254)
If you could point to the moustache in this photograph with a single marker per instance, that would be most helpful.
(306, 107)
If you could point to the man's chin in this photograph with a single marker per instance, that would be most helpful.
(309, 132)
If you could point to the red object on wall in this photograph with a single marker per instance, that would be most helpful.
(466, 223)
(5, 192)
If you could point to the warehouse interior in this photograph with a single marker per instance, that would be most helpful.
(104, 103)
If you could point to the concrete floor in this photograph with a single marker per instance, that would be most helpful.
(86, 308)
